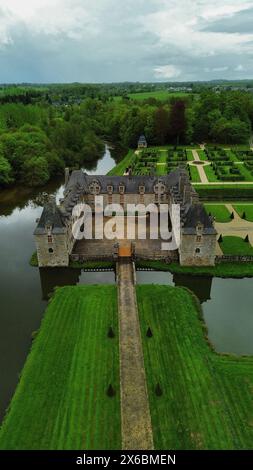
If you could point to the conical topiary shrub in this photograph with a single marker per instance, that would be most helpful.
(110, 333)
(246, 239)
(110, 391)
(149, 333)
(244, 215)
(220, 239)
(158, 390)
(232, 216)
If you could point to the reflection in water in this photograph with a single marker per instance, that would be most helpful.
(58, 277)
(200, 286)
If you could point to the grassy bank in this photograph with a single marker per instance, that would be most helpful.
(61, 400)
(120, 168)
(236, 270)
(236, 246)
(206, 400)
(79, 264)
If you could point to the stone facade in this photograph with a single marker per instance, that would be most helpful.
(54, 239)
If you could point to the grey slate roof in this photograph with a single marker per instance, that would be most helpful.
(196, 214)
(51, 216)
(142, 139)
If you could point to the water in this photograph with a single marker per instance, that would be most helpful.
(24, 290)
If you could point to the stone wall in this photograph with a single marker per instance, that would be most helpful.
(189, 254)
(52, 254)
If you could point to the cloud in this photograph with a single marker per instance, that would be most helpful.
(167, 72)
(110, 40)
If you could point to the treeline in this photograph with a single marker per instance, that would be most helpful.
(38, 140)
(225, 117)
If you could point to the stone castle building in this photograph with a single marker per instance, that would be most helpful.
(54, 238)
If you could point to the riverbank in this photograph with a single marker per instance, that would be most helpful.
(204, 399)
(61, 401)
(224, 270)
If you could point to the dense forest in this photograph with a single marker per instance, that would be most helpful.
(45, 128)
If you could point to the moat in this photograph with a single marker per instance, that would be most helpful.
(227, 303)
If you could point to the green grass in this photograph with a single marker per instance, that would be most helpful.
(120, 168)
(162, 157)
(61, 400)
(247, 208)
(161, 170)
(190, 156)
(207, 400)
(211, 176)
(224, 270)
(202, 155)
(195, 178)
(235, 246)
(219, 211)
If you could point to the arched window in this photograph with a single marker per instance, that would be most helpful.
(50, 250)
(197, 251)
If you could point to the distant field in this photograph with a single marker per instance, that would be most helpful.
(207, 400)
(159, 95)
(61, 400)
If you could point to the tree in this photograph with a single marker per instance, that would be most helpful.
(35, 171)
(178, 124)
(161, 125)
(5, 171)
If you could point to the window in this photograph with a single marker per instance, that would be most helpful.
(197, 251)
(50, 250)
(199, 238)
(109, 189)
(50, 239)
(121, 189)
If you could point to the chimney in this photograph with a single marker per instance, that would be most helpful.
(66, 176)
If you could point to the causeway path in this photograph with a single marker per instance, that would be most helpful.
(136, 428)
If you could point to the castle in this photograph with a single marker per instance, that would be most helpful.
(56, 244)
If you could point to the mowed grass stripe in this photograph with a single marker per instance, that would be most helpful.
(207, 400)
(61, 400)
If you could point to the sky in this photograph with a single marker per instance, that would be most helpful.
(45, 41)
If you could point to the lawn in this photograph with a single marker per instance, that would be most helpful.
(207, 400)
(219, 211)
(61, 401)
(120, 168)
(202, 155)
(190, 156)
(225, 270)
(247, 208)
(235, 246)
(195, 178)
(162, 169)
(211, 176)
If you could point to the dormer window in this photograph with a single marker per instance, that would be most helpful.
(199, 228)
(142, 189)
(159, 188)
(110, 189)
(121, 188)
(94, 187)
